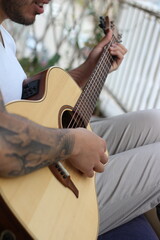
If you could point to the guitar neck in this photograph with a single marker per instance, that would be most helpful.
(87, 101)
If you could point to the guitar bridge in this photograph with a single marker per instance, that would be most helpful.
(63, 176)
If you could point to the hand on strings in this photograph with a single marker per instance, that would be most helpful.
(117, 50)
(82, 73)
(89, 152)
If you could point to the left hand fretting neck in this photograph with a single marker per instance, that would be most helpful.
(87, 101)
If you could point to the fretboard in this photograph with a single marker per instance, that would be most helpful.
(87, 101)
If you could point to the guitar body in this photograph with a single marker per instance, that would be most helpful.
(45, 208)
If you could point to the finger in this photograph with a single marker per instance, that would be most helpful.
(90, 173)
(117, 52)
(118, 48)
(104, 159)
(119, 56)
(122, 47)
(106, 39)
(99, 167)
(104, 145)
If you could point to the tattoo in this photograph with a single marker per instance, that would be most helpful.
(65, 145)
(26, 146)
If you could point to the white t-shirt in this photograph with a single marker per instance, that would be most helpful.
(11, 72)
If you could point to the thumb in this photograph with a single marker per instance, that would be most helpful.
(106, 39)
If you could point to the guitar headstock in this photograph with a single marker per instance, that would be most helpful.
(106, 24)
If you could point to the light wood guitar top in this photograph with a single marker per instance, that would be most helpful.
(47, 209)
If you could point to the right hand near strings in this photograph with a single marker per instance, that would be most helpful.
(89, 152)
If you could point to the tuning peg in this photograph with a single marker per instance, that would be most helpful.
(112, 25)
(119, 38)
(102, 23)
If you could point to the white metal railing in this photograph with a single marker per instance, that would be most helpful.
(136, 85)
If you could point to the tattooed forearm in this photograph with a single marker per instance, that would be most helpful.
(26, 146)
(21, 153)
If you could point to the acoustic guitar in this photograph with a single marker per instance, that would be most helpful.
(57, 202)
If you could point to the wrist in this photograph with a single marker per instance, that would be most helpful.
(74, 133)
(82, 73)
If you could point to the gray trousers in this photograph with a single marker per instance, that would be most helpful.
(130, 184)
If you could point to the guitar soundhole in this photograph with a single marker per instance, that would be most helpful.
(70, 119)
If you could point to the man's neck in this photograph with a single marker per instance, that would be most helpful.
(2, 14)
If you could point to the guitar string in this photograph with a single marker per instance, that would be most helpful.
(81, 103)
(90, 101)
(103, 67)
(90, 104)
(87, 89)
(88, 108)
(85, 114)
(118, 39)
(81, 117)
(99, 84)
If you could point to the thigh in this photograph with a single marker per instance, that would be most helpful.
(129, 186)
(129, 130)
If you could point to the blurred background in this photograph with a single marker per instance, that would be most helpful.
(68, 30)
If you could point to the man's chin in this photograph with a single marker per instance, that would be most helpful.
(24, 21)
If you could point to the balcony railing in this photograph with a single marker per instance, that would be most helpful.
(136, 84)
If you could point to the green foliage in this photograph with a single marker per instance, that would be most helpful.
(94, 40)
(54, 60)
(32, 66)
